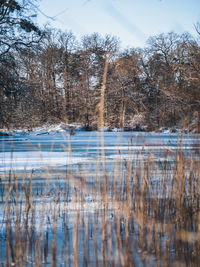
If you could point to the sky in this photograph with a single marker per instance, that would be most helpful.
(133, 21)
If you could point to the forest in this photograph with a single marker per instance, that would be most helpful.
(47, 75)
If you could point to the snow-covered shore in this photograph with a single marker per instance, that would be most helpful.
(72, 128)
(45, 129)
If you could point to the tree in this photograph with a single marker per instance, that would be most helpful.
(160, 68)
(124, 94)
(92, 60)
(17, 28)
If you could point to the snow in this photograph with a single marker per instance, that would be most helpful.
(117, 130)
(140, 148)
(52, 129)
(45, 129)
(36, 160)
(54, 141)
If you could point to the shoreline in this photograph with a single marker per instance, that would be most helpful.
(76, 127)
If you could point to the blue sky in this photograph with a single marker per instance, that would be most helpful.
(133, 21)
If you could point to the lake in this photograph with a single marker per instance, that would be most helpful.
(60, 149)
(117, 199)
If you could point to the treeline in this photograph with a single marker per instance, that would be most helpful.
(58, 78)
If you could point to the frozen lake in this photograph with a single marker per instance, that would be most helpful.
(83, 200)
(32, 152)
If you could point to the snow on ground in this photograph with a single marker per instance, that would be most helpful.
(67, 128)
(45, 129)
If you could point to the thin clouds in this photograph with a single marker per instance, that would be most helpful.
(60, 13)
(62, 20)
(72, 24)
(86, 2)
(124, 21)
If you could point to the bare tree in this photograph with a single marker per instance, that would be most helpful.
(16, 25)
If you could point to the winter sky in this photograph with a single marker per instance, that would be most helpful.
(133, 21)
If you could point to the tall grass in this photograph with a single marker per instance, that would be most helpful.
(145, 213)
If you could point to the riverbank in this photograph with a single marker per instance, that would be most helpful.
(73, 128)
